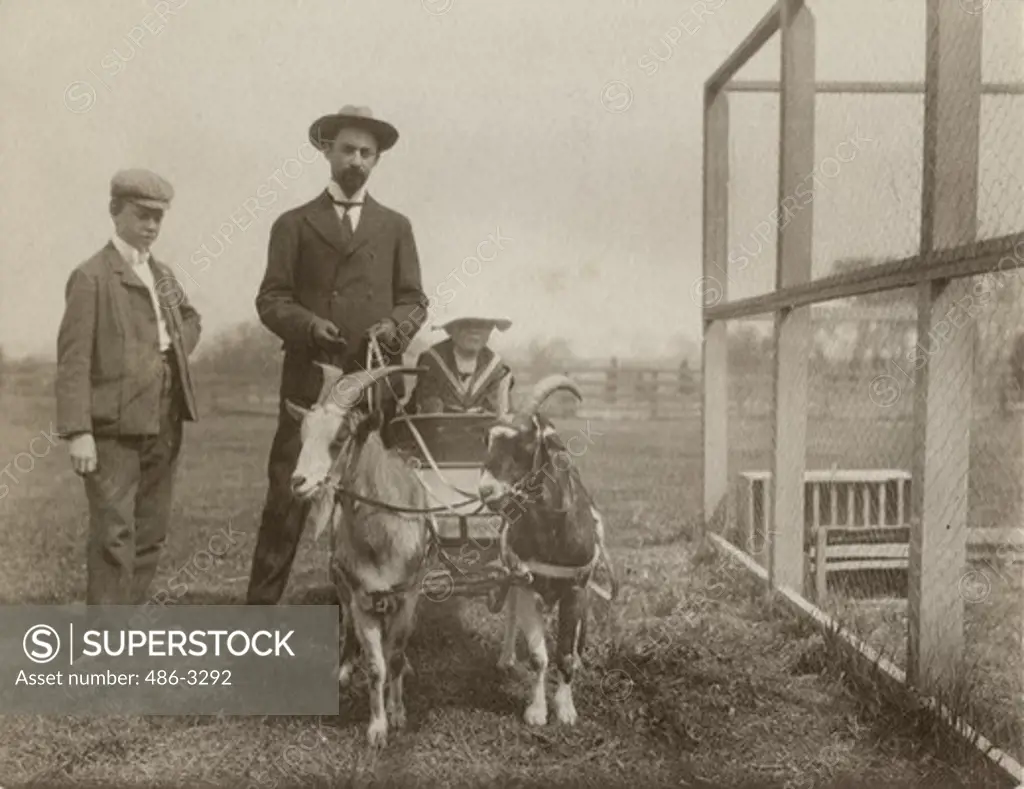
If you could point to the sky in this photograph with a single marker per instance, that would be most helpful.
(570, 130)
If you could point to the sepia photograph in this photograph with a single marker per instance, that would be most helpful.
(552, 393)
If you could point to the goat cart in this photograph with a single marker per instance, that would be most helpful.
(449, 450)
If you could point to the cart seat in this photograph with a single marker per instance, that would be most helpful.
(453, 439)
(458, 445)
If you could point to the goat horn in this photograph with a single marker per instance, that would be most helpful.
(350, 388)
(331, 374)
(546, 387)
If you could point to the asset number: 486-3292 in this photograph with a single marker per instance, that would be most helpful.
(190, 677)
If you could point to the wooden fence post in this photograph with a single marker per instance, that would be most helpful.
(793, 327)
(943, 386)
(715, 356)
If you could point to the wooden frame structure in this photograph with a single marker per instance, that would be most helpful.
(949, 255)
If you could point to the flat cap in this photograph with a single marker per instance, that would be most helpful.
(142, 186)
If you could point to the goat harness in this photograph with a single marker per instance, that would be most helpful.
(516, 570)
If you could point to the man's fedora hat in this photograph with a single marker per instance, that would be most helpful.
(324, 129)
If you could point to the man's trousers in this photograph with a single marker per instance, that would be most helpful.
(284, 517)
(130, 496)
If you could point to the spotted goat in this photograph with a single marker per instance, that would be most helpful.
(554, 532)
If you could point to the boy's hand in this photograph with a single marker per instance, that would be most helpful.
(83, 454)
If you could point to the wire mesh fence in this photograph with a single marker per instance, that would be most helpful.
(869, 361)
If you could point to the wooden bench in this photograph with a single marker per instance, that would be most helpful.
(855, 518)
(857, 548)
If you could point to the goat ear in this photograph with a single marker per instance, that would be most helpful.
(549, 438)
(297, 412)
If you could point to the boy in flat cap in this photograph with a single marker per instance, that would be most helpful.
(463, 375)
(123, 389)
(340, 269)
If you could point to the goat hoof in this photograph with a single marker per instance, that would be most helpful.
(565, 710)
(377, 734)
(396, 717)
(566, 714)
(536, 715)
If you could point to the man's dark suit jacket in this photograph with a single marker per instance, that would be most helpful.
(109, 368)
(312, 272)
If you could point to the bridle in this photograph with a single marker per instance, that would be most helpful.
(518, 490)
(335, 480)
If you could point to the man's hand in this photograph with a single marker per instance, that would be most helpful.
(385, 332)
(326, 335)
(83, 453)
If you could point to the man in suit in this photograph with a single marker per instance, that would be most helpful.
(124, 390)
(341, 268)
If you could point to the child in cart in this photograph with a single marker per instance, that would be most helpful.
(463, 374)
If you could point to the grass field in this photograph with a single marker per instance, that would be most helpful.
(692, 680)
(994, 617)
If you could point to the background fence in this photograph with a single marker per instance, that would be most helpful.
(885, 485)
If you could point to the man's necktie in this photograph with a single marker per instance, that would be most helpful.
(346, 221)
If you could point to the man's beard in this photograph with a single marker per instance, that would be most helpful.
(351, 180)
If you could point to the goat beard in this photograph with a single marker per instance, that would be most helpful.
(320, 512)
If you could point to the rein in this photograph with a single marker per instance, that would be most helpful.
(340, 492)
(385, 601)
